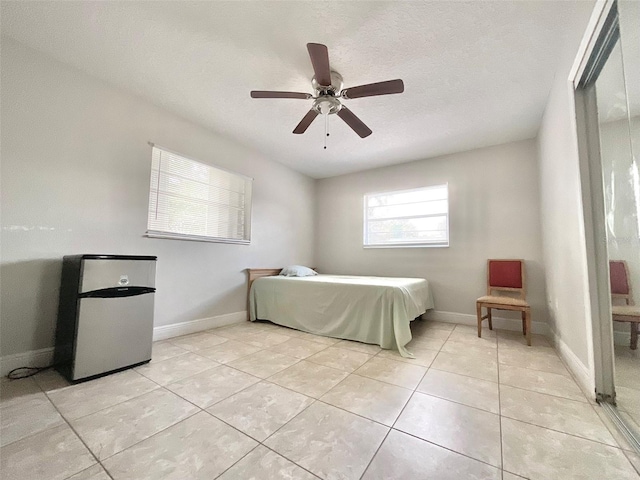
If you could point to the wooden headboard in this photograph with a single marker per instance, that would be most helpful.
(256, 273)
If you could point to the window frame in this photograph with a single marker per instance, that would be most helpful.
(202, 238)
(405, 245)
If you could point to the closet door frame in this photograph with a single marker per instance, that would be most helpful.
(601, 35)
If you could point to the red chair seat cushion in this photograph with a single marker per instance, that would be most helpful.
(502, 300)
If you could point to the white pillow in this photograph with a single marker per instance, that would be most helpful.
(297, 271)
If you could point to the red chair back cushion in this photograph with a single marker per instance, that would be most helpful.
(505, 273)
(618, 277)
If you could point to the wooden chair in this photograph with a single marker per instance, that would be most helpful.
(621, 290)
(505, 276)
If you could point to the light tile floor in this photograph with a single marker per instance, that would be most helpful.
(264, 402)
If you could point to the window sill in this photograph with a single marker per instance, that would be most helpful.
(420, 245)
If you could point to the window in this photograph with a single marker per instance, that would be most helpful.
(194, 201)
(407, 218)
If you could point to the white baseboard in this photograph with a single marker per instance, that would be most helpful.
(579, 370)
(540, 328)
(176, 329)
(44, 357)
(33, 358)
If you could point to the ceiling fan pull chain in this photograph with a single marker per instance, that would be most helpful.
(326, 134)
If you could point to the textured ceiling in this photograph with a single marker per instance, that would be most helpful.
(476, 73)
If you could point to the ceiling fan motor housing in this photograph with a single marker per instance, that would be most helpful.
(335, 87)
(327, 102)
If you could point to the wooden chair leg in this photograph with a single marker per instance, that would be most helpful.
(479, 314)
(528, 325)
(634, 336)
(489, 318)
(524, 323)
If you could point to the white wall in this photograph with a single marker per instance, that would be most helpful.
(563, 231)
(494, 213)
(563, 226)
(75, 179)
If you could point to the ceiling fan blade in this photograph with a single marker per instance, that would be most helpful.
(320, 60)
(354, 122)
(373, 89)
(268, 94)
(305, 122)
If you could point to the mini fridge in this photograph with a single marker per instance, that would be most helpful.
(105, 314)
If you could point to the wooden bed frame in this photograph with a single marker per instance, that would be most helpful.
(256, 273)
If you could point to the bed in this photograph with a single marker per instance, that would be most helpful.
(375, 310)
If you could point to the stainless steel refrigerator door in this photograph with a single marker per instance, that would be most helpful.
(113, 333)
(98, 274)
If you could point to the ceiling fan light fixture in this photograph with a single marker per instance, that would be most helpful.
(327, 105)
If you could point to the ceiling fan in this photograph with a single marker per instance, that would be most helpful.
(327, 85)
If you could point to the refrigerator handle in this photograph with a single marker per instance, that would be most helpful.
(117, 292)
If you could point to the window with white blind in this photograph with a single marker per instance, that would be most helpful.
(407, 218)
(195, 201)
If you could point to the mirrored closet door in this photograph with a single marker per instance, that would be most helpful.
(616, 91)
(621, 141)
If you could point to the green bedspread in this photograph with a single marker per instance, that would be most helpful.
(376, 310)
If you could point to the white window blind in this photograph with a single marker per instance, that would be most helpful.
(195, 201)
(407, 218)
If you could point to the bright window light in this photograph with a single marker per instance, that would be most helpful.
(407, 218)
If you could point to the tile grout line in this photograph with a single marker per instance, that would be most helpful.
(218, 401)
(391, 428)
(150, 436)
(499, 406)
(81, 471)
(65, 422)
(115, 404)
(364, 472)
(512, 386)
(447, 448)
(314, 400)
(396, 420)
(288, 459)
(544, 393)
(44, 429)
(565, 433)
(68, 420)
(457, 402)
(160, 387)
(238, 461)
(308, 359)
(161, 430)
(462, 374)
(78, 437)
